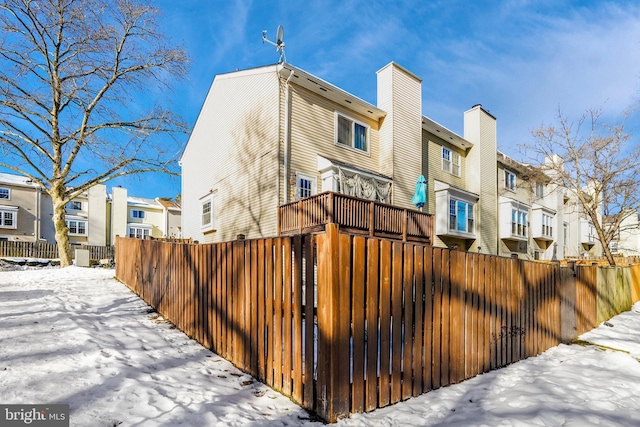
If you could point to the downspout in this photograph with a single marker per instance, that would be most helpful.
(287, 138)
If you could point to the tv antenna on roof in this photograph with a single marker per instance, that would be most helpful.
(279, 44)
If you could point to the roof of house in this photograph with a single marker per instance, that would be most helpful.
(19, 180)
(167, 204)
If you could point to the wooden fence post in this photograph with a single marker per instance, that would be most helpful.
(333, 329)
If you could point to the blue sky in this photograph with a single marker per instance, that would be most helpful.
(522, 60)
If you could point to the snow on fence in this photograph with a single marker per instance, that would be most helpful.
(348, 323)
(50, 250)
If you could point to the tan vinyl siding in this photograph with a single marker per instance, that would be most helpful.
(481, 175)
(313, 133)
(233, 151)
(399, 93)
(432, 167)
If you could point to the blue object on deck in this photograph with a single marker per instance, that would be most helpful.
(420, 198)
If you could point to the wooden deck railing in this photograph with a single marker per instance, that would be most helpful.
(355, 215)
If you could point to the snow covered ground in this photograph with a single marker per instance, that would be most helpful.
(77, 336)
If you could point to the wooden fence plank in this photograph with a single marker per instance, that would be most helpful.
(428, 320)
(297, 353)
(309, 322)
(396, 323)
(407, 329)
(437, 318)
(277, 322)
(287, 338)
(418, 270)
(269, 314)
(385, 322)
(358, 300)
(446, 313)
(373, 304)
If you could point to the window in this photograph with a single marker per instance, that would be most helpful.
(138, 233)
(518, 223)
(351, 133)
(306, 185)
(137, 214)
(547, 228)
(207, 215)
(77, 228)
(8, 218)
(5, 194)
(450, 161)
(539, 190)
(461, 216)
(509, 180)
(74, 205)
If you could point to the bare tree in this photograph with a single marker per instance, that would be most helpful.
(76, 79)
(598, 164)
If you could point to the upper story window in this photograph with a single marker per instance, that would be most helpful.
(461, 216)
(509, 180)
(518, 223)
(5, 193)
(77, 228)
(137, 214)
(352, 133)
(74, 205)
(547, 227)
(450, 161)
(539, 190)
(9, 218)
(306, 185)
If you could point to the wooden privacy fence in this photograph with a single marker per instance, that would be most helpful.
(50, 250)
(348, 323)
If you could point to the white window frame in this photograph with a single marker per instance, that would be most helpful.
(74, 205)
(519, 222)
(204, 201)
(469, 212)
(451, 161)
(137, 214)
(138, 232)
(9, 212)
(311, 179)
(547, 225)
(5, 193)
(351, 144)
(539, 190)
(510, 180)
(76, 227)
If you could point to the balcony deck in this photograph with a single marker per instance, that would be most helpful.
(354, 215)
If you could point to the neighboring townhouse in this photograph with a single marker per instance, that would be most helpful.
(153, 218)
(94, 218)
(24, 211)
(270, 135)
(626, 240)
